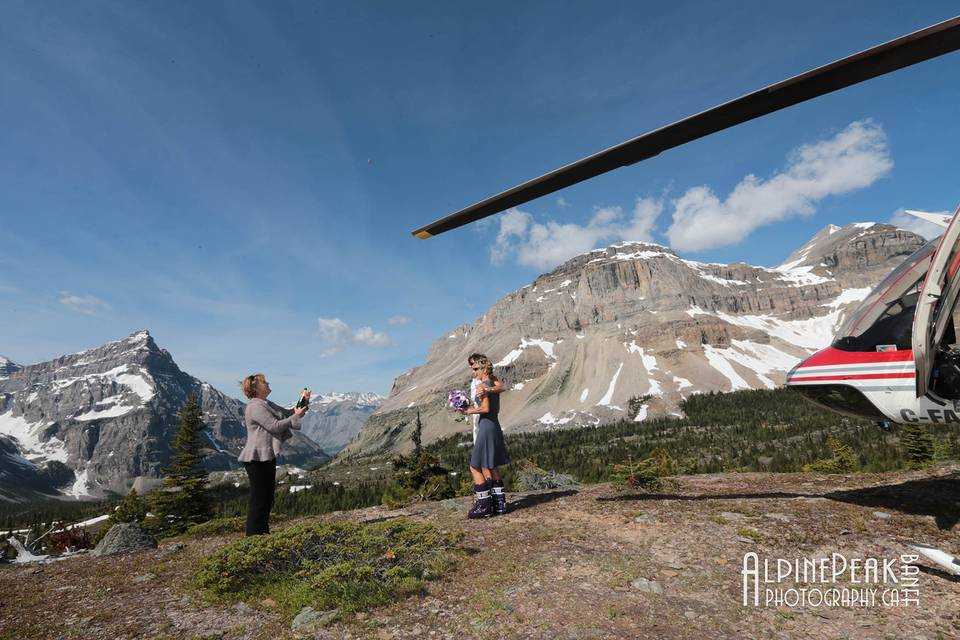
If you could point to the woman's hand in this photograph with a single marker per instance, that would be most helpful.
(299, 411)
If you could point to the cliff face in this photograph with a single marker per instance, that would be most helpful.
(108, 416)
(634, 320)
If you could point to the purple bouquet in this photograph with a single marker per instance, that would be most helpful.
(458, 400)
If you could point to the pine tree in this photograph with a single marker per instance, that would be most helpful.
(182, 499)
(131, 509)
(417, 434)
(917, 445)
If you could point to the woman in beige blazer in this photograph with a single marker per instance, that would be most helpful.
(268, 426)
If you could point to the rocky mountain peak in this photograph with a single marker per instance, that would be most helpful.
(109, 414)
(7, 367)
(854, 253)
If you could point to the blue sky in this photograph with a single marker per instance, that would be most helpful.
(242, 178)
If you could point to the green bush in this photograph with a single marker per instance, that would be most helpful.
(644, 475)
(223, 526)
(417, 477)
(844, 459)
(330, 565)
(131, 509)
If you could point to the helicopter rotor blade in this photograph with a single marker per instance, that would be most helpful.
(907, 50)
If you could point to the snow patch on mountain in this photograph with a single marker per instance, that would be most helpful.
(608, 396)
(718, 360)
(364, 399)
(510, 358)
(27, 434)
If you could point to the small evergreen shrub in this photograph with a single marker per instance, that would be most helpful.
(330, 565)
(132, 509)
(644, 475)
(415, 478)
(844, 460)
(918, 446)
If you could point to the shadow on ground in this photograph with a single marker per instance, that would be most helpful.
(533, 499)
(937, 497)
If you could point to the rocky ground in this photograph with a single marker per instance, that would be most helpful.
(573, 563)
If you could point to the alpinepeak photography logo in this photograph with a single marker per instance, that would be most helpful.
(834, 581)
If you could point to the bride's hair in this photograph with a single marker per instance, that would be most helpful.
(483, 362)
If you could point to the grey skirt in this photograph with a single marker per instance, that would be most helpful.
(489, 450)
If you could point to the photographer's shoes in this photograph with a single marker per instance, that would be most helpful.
(482, 502)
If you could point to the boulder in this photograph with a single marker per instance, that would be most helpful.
(123, 538)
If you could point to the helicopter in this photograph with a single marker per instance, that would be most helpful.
(891, 360)
(896, 357)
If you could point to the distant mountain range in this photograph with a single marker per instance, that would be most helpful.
(335, 418)
(634, 320)
(102, 420)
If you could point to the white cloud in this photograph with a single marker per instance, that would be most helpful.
(88, 305)
(920, 227)
(398, 320)
(853, 159)
(338, 335)
(562, 202)
(545, 245)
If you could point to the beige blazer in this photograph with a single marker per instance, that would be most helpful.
(268, 427)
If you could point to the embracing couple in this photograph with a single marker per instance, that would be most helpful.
(489, 450)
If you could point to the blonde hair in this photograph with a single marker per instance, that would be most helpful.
(251, 383)
(483, 362)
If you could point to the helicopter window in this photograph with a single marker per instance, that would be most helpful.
(894, 327)
(885, 317)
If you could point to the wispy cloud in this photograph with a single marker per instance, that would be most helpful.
(853, 159)
(545, 245)
(920, 227)
(398, 320)
(562, 202)
(337, 335)
(88, 305)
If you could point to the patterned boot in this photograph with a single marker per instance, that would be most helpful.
(482, 502)
(499, 498)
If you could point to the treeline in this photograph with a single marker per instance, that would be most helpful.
(758, 430)
(321, 497)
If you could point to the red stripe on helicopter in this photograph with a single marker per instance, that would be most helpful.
(864, 376)
(831, 356)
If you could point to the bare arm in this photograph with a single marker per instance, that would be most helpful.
(483, 408)
(497, 387)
